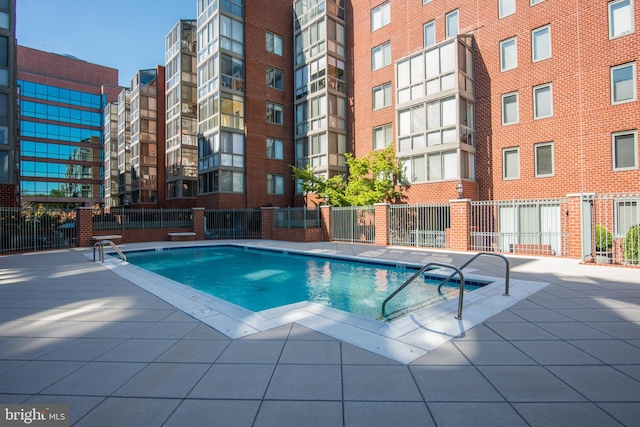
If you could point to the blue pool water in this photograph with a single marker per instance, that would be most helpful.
(260, 280)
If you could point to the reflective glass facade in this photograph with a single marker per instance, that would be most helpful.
(181, 106)
(320, 86)
(221, 100)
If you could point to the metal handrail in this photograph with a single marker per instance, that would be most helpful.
(100, 246)
(422, 270)
(506, 285)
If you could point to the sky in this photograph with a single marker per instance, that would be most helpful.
(127, 35)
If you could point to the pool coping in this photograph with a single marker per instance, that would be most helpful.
(403, 340)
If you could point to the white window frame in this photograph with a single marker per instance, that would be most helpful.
(535, 103)
(382, 48)
(635, 150)
(502, 4)
(502, 99)
(386, 90)
(385, 10)
(272, 153)
(430, 24)
(447, 26)
(504, 163)
(275, 37)
(386, 143)
(502, 54)
(635, 83)
(426, 1)
(535, 153)
(533, 44)
(535, 2)
(610, 19)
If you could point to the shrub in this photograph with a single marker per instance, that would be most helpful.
(632, 245)
(604, 240)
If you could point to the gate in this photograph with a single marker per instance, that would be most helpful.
(353, 224)
(419, 225)
(519, 226)
(611, 228)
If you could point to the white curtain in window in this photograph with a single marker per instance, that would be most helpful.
(432, 61)
(448, 111)
(621, 19)
(405, 122)
(417, 69)
(404, 73)
(450, 165)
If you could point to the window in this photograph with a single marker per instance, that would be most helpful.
(541, 43)
(625, 150)
(380, 16)
(4, 166)
(426, 1)
(620, 18)
(542, 101)
(511, 163)
(429, 34)
(623, 83)
(275, 149)
(506, 8)
(275, 113)
(544, 159)
(381, 56)
(452, 24)
(382, 96)
(509, 54)
(626, 216)
(382, 136)
(535, 2)
(274, 43)
(510, 108)
(275, 184)
(274, 78)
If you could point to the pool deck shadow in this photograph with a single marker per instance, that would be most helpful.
(562, 349)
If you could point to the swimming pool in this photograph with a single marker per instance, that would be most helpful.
(260, 279)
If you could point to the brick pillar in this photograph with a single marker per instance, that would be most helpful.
(460, 224)
(382, 223)
(84, 224)
(198, 223)
(325, 222)
(268, 218)
(572, 215)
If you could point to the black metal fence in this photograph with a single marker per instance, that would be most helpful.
(36, 228)
(232, 224)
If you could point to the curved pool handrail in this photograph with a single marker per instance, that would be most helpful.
(422, 270)
(506, 285)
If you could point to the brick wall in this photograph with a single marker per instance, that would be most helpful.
(8, 195)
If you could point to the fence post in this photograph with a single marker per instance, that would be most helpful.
(267, 215)
(325, 222)
(574, 228)
(198, 223)
(382, 223)
(84, 222)
(460, 224)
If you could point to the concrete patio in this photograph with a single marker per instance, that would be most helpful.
(74, 332)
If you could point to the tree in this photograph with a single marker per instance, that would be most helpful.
(371, 179)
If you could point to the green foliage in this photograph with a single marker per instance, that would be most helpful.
(632, 245)
(604, 239)
(372, 179)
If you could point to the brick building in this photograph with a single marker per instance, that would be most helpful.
(515, 98)
(61, 105)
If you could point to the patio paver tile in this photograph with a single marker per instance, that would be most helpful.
(384, 414)
(381, 383)
(299, 413)
(214, 413)
(564, 414)
(305, 382)
(116, 411)
(494, 414)
(233, 381)
(599, 383)
(167, 380)
(454, 384)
